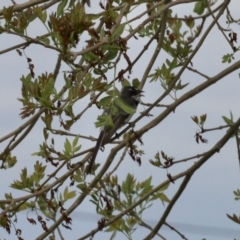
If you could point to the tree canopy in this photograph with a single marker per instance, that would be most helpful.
(65, 62)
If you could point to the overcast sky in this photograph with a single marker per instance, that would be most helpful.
(201, 210)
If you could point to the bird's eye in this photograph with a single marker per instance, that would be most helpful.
(133, 91)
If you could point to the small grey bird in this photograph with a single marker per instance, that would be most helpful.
(131, 96)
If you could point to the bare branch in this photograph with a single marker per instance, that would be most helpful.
(186, 174)
(21, 7)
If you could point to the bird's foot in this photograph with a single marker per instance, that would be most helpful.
(102, 148)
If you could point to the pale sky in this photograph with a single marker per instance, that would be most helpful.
(201, 210)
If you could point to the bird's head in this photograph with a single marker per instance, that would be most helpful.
(130, 91)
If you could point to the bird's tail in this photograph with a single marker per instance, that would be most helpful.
(95, 151)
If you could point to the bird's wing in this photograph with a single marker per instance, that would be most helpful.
(118, 121)
(106, 134)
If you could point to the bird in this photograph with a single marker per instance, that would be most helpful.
(132, 97)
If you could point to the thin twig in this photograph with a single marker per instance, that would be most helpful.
(28, 4)
(238, 146)
(30, 40)
(22, 44)
(196, 71)
(187, 174)
(175, 230)
(220, 28)
(203, 130)
(119, 162)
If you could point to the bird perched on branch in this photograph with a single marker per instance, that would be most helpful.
(131, 96)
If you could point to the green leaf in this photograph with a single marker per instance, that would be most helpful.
(110, 55)
(68, 195)
(104, 121)
(124, 106)
(77, 148)
(67, 81)
(147, 182)
(205, 3)
(135, 82)
(48, 90)
(164, 187)
(47, 119)
(39, 172)
(87, 80)
(114, 92)
(93, 16)
(44, 16)
(75, 141)
(163, 197)
(90, 57)
(199, 8)
(61, 7)
(231, 115)
(203, 119)
(190, 22)
(128, 185)
(98, 71)
(17, 185)
(106, 101)
(40, 14)
(180, 86)
(227, 120)
(117, 32)
(125, 83)
(46, 103)
(69, 124)
(109, 122)
(82, 186)
(227, 58)
(8, 13)
(77, 178)
(8, 196)
(69, 109)
(45, 40)
(168, 62)
(24, 175)
(67, 146)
